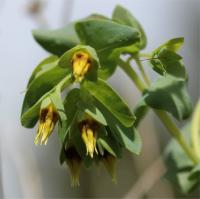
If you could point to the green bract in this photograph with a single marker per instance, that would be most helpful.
(166, 61)
(94, 123)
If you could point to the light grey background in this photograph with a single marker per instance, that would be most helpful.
(29, 171)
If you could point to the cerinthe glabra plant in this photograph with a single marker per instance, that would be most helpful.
(94, 123)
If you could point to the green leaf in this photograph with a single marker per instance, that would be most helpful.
(109, 143)
(127, 137)
(39, 89)
(110, 35)
(57, 41)
(111, 100)
(140, 110)
(95, 113)
(43, 66)
(108, 63)
(123, 16)
(173, 45)
(166, 61)
(171, 95)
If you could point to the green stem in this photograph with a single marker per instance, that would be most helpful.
(146, 55)
(175, 132)
(141, 68)
(164, 117)
(132, 74)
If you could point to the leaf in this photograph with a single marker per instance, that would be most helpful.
(39, 89)
(108, 63)
(110, 34)
(123, 16)
(95, 113)
(111, 100)
(171, 95)
(57, 41)
(140, 110)
(127, 137)
(173, 45)
(109, 143)
(58, 103)
(46, 64)
(166, 61)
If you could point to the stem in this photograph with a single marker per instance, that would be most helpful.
(175, 132)
(132, 74)
(146, 55)
(141, 68)
(166, 120)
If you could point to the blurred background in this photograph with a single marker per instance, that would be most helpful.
(27, 171)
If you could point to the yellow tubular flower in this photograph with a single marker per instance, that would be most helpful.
(81, 63)
(89, 138)
(109, 162)
(73, 161)
(47, 121)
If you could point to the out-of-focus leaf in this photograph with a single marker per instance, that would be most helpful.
(111, 100)
(196, 128)
(110, 34)
(57, 41)
(180, 169)
(123, 16)
(170, 94)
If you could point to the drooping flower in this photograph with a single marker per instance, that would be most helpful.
(81, 63)
(47, 120)
(73, 161)
(88, 134)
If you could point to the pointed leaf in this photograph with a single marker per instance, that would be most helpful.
(111, 100)
(110, 35)
(57, 41)
(171, 95)
(123, 16)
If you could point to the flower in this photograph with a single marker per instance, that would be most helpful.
(81, 63)
(47, 120)
(109, 162)
(73, 161)
(88, 134)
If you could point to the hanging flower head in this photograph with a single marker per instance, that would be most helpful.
(88, 129)
(81, 63)
(47, 120)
